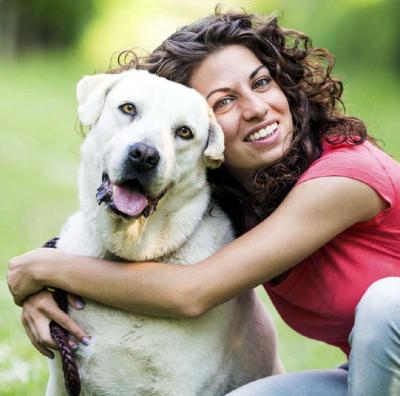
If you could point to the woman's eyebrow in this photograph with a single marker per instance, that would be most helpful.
(252, 74)
(218, 90)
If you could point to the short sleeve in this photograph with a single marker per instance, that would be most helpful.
(363, 162)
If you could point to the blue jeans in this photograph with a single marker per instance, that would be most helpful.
(374, 364)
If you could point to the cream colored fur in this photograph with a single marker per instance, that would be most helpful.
(138, 355)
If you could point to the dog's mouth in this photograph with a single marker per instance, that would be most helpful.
(127, 199)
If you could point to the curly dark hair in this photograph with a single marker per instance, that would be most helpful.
(302, 72)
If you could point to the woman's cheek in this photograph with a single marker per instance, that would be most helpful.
(228, 127)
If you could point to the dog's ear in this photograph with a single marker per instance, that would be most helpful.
(91, 93)
(214, 152)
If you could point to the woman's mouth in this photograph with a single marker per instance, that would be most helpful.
(264, 135)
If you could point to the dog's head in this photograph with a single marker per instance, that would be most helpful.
(146, 135)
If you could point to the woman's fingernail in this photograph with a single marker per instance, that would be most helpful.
(80, 303)
(85, 340)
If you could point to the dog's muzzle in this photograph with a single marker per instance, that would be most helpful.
(140, 164)
(129, 196)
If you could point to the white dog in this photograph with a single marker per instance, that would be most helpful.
(145, 159)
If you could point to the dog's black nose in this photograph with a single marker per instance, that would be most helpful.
(143, 157)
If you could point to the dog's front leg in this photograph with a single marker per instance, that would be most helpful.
(56, 385)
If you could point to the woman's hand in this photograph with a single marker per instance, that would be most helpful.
(38, 310)
(23, 271)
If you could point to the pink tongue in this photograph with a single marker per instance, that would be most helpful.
(130, 202)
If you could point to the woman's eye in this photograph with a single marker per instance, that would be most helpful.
(128, 108)
(184, 133)
(262, 82)
(222, 102)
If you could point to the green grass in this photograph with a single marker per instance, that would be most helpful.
(39, 155)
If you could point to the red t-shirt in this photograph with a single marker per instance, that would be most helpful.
(319, 295)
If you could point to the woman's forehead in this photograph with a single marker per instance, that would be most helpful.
(224, 68)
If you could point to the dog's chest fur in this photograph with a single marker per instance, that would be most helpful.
(133, 354)
(141, 355)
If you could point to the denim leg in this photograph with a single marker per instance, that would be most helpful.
(374, 368)
(302, 383)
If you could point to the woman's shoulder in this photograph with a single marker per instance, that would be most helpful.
(364, 162)
(349, 153)
(359, 158)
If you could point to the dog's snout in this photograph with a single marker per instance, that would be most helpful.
(143, 157)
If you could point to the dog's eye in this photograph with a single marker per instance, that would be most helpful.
(184, 132)
(128, 108)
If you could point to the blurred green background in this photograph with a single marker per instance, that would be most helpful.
(47, 45)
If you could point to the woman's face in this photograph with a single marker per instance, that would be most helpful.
(250, 107)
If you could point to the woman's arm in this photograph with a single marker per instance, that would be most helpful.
(312, 214)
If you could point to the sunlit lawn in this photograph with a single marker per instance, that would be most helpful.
(39, 154)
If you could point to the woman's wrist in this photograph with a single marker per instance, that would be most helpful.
(74, 273)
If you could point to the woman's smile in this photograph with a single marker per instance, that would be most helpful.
(267, 133)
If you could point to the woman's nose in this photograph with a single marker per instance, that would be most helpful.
(254, 106)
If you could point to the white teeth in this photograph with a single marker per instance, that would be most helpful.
(262, 133)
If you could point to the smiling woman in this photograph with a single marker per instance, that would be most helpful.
(314, 201)
(301, 81)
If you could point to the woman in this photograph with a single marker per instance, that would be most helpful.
(315, 202)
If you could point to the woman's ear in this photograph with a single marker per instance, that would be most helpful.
(214, 152)
(91, 93)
